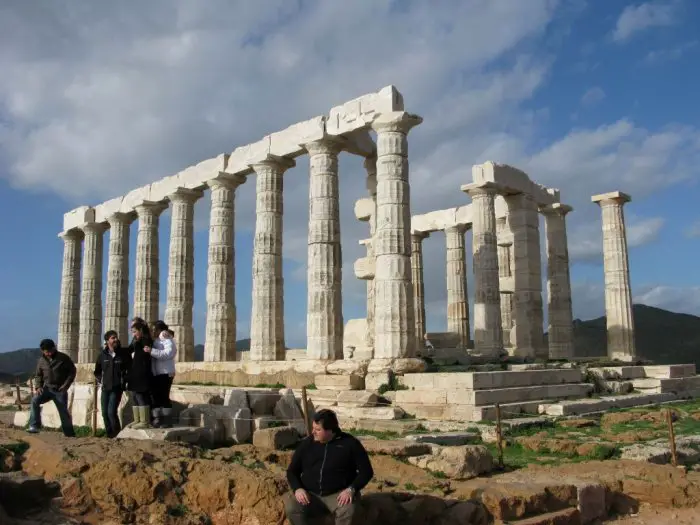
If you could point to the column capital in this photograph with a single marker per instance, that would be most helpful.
(477, 189)
(328, 145)
(273, 161)
(185, 195)
(121, 217)
(398, 121)
(460, 228)
(556, 209)
(72, 234)
(419, 236)
(612, 198)
(227, 180)
(94, 227)
(151, 207)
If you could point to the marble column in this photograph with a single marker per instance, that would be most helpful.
(418, 286)
(370, 165)
(220, 337)
(505, 277)
(69, 306)
(561, 322)
(488, 332)
(90, 339)
(180, 301)
(394, 325)
(147, 270)
(117, 300)
(527, 333)
(618, 292)
(267, 323)
(324, 313)
(456, 273)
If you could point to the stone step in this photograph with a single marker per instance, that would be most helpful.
(339, 382)
(669, 371)
(385, 412)
(661, 385)
(447, 439)
(492, 396)
(619, 373)
(402, 426)
(395, 447)
(471, 412)
(589, 406)
(489, 380)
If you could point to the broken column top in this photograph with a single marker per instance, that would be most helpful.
(612, 196)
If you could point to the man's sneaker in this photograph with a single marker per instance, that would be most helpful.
(33, 430)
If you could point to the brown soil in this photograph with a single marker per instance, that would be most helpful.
(105, 481)
(648, 515)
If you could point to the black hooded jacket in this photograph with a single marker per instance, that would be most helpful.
(327, 468)
(113, 372)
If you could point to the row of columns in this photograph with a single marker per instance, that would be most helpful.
(506, 250)
(81, 312)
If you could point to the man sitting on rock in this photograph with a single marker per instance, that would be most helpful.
(55, 373)
(327, 472)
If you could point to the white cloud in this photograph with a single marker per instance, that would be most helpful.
(685, 299)
(592, 96)
(693, 230)
(666, 55)
(635, 19)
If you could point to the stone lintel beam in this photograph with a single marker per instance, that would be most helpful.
(556, 208)
(512, 181)
(616, 196)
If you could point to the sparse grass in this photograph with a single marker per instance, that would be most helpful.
(311, 386)
(268, 385)
(392, 386)
(9, 408)
(389, 434)
(18, 448)
(178, 510)
(410, 486)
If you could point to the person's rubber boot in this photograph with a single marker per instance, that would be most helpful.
(167, 421)
(157, 421)
(137, 417)
(143, 421)
(146, 416)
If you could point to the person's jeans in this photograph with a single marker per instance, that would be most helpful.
(110, 411)
(60, 399)
(299, 514)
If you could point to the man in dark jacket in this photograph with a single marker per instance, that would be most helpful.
(111, 368)
(327, 472)
(55, 373)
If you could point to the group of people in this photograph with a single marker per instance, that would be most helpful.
(145, 369)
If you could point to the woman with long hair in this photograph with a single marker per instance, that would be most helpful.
(163, 354)
(140, 376)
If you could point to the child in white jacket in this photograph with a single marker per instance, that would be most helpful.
(163, 355)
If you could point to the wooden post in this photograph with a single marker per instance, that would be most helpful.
(305, 407)
(94, 408)
(671, 437)
(19, 395)
(499, 435)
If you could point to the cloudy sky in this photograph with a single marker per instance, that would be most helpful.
(97, 98)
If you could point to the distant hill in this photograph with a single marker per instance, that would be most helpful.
(661, 336)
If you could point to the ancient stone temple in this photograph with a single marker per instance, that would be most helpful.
(503, 216)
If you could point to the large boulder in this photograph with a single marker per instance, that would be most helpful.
(287, 409)
(463, 462)
(224, 424)
(276, 438)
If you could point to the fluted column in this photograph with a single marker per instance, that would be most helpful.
(488, 333)
(180, 302)
(528, 315)
(418, 286)
(324, 317)
(561, 322)
(220, 338)
(147, 270)
(456, 273)
(370, 164)
(394, 325)
(69, 306)
(618, 292)
(90, 339)
(267, 323)
(505, 274)
(117, 301)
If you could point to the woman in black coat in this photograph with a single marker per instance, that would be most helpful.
(140, 375)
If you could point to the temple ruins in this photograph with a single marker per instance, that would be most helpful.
(373, 368)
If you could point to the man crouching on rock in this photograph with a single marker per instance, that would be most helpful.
(327, 473)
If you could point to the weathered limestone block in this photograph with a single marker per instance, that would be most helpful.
(195, 436)
(348, 367)
(463, 462)
(398, 366)
(450, 439)
(225, 425)
(262, 401)
(357, 398)
(396, 448)
(336, 382)
(277, 438)
(190, 396)
(288, 410)
(373, 380)
(236, 399)
(242, 426)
